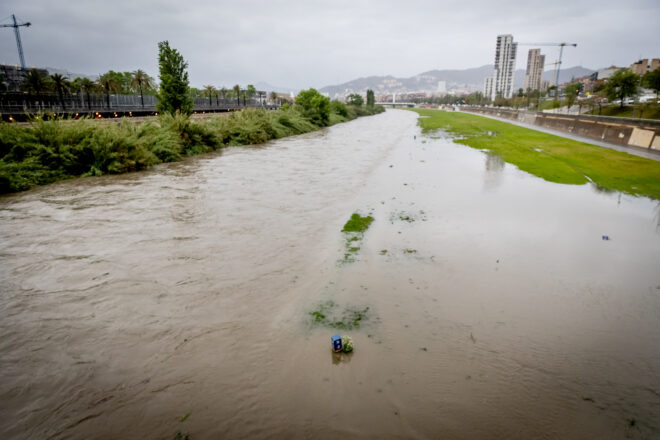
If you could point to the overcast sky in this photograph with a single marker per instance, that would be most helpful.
(310, 43)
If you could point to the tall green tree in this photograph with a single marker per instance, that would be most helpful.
(174, 94)
(273, 97)
(237, 93)
(621, 85)
(61, 85)
(371, 99)
(140, 81)
(572, 91)
(109, 84)
(652, 81)
(223, 93)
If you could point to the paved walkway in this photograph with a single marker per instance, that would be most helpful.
(637, 151)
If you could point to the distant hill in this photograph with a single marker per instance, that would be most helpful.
(465, 80)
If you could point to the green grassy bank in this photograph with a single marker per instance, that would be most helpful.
(42, 152)
(549, 157)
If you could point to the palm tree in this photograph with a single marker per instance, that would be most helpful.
(87, 85)
(209, 91)
(109, 85)
(237, 92)
(140, 80)
(223, 92)
(35, 82)
(62, 86)
(273, 97)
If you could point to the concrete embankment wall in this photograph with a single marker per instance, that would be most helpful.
(643, 133)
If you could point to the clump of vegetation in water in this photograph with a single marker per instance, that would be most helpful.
(407, 216)
(357, 223)
(354, 231)
(329, 314)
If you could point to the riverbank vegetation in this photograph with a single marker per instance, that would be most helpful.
(647, 110)
(44, 151)
(550, 157)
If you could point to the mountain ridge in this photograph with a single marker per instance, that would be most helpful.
(455, 80)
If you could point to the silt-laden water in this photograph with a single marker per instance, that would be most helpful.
(179, 299)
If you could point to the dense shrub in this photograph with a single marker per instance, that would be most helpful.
(45, 151)
(314, 106)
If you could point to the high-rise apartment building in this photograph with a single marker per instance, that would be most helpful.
(505, 65)
(534, 74)
(488, 87)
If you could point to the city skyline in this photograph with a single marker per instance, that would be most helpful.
(298, 44)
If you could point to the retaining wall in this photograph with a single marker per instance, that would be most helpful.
(644, 133)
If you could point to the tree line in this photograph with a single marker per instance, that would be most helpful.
(621, 85)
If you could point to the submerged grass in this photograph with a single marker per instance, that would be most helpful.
(353, 232)
(329, 314)
(550, 157)
(45, 151)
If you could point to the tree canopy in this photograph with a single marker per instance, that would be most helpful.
(652, 80)
(173, 95)
(354, 99)
(621, 85)
(314, 106)
(572, 91)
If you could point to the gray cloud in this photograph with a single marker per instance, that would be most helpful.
(316, 43)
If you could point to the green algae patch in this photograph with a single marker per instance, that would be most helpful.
(552, 158)
(357, 223)
(353, 231)
(329, 314)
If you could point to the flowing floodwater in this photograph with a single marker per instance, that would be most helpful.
(178, 300)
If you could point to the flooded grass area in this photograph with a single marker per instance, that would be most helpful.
(550, 157)
(198, 299)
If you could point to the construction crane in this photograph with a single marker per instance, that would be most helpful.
(16, 25)
(561, 51)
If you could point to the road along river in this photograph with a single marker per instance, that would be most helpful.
(178, 300)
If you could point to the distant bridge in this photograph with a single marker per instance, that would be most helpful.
(396, 104)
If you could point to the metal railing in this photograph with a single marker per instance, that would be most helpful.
(21, 103)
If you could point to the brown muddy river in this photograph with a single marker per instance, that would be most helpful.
(179, 299)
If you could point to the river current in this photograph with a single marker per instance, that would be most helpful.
(179, 300)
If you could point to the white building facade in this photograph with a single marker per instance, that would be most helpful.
(505, 66)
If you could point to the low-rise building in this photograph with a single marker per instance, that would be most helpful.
(644, 66)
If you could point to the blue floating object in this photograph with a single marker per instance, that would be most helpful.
(606, 237)
(336, 343)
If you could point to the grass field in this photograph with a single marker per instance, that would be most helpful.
(550, 157)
